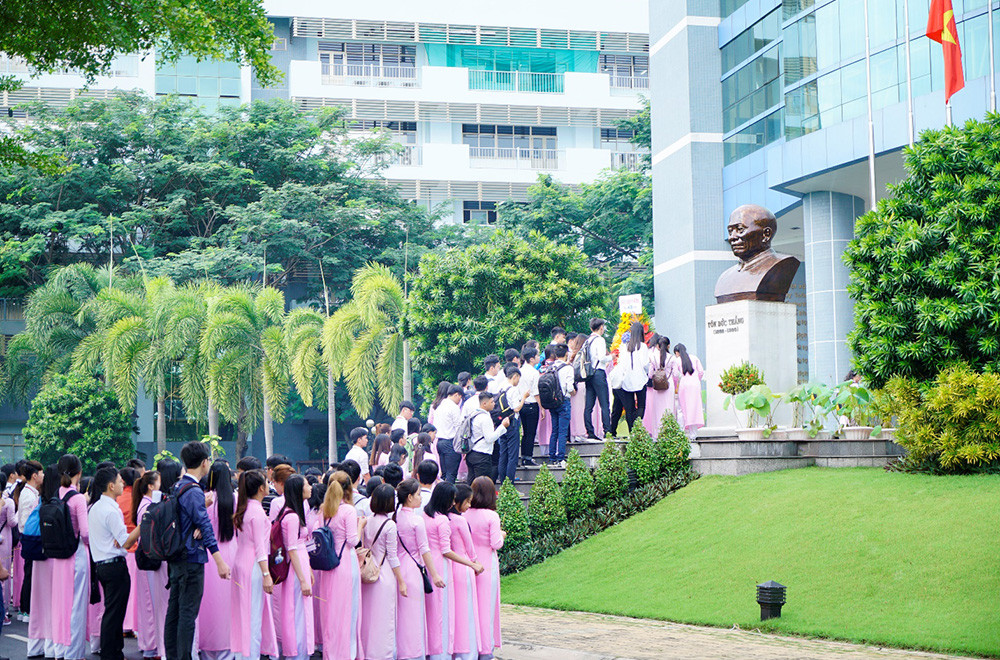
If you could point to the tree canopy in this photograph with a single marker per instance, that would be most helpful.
(925, 263)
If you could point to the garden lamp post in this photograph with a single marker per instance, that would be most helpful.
(770, 597)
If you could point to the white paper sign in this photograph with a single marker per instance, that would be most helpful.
(631, 304)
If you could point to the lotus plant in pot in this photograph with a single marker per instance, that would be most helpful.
(737, 379)
(813, 398)
(760, 402)
(852, 403)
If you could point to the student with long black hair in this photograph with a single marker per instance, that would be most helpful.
(378, 599)
(151, 590)
(463, 604)
(26, 497)
(293, 622)
(414, 552)
(213, 617)
(252, 626)
(688, 373)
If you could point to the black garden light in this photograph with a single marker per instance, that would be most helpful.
(770, 597)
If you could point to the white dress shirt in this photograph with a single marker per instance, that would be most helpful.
(496, 383)
(599, 356)
(469, 407)
(400, 423)
(26, 503)
(529, 383)
(566, 378)
(107, 525)
(359, 456)
(447, 418)
(484, 434)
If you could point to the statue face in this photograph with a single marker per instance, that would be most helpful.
(748, 236)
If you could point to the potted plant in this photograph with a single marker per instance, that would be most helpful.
(852, 403)
(884, 406)
(760, 402)
(738, 379)
(814, 397)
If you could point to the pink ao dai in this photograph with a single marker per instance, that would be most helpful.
(339, 591)
(251, 631)
(293, 622)
(411, 620)
(378, 600)
(216, 601)
(487, 539)
(464, 607)
(438, 602)
(151, 602)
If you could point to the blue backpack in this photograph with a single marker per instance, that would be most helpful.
(323, 555)
(31, 539)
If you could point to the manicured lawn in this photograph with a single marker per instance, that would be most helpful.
(901, 560)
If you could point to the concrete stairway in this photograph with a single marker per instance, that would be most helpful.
(589, 452)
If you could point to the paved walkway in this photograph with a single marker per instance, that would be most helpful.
(537, 634)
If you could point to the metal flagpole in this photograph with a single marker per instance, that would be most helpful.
(947, 113)
(993, 81)
(871, 122)
(909, 77)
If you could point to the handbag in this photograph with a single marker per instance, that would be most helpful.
(369, 569)
(660, 381)
(428, 587)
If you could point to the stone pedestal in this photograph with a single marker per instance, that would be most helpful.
(762, 333)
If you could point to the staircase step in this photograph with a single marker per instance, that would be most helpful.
(741, 465)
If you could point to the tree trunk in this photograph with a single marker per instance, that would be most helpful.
(161, 423)
(331, 413)
(407, 372)
(268, 430)
(241, 431)
(213, 419)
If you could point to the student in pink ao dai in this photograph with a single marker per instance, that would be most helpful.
(487, 538)
(414, 551)
(464, 610)
(294, 621)
(445, 636)
(378, 600)
(151, 588)
(216, 602)
(688, 371)
(251, 630)
(338, 591)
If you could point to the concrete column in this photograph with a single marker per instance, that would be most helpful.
(688, 223)
(829, 225)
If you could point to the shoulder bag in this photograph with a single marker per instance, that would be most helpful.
(369, 569)
(428, 587)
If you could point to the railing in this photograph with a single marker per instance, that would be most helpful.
(516, 81)
(625, 85)
(11, 309)
(626, 160)
(365, 75)
(409, 156)
(515, 158)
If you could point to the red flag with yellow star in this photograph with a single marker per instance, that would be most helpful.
(942, 29)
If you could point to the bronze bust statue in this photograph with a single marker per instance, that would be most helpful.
(762, 273)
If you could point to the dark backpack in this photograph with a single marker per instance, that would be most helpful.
(278, 562)
(59, 541)
(550, 392)
(323, 555)
(503, 409)
(31, 539)
(160, 536)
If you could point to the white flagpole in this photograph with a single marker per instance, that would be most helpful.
(871, 121)
(993, 80)
(909, 77)
(947, 113)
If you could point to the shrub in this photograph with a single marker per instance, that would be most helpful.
(546, 511)
(611, 475)
(513, 517)
(740, 377)
(77, 415)
(577, 486)
(640, 455)
(672, 447)
(951, 425)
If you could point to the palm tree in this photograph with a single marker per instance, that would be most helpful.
(131, 346)
(244, 350)
(304, 336)
(186, 321)
(57, 318)
(364, 341)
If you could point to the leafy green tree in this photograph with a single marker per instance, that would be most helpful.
(76, 414)
(466, 304)
(924, 262)
(546, 511)
(513, 517)
(243, 346)
(611, 475)
(364, 341)
(577, 486)
(640, 454)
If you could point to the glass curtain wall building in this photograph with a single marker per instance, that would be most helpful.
(771, 107)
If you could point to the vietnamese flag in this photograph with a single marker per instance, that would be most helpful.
(942, 29)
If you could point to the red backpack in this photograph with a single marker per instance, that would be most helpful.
(278, 561)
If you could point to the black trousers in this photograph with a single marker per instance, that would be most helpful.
(115, 583)
(633, 404)
(480, 465)
(26, 587)
(529, 428)
(597, 392)
(186, 584)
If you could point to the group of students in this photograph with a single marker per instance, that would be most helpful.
(550, 397)
(416, 574)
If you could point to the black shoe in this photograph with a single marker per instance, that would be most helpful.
(592, 437)
(528, 461)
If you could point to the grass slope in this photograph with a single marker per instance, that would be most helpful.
(868, 556)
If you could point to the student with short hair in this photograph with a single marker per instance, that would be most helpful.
(558, 335)
(531, 413)
(246, 464)
(595, 349)
(480, 385)
(427, 474)
(512, 355)
(494, 373)
(357, 453)
(406, 412)
(449, 421)
(484, 438)
(561, 415)
(378, 600)
(511, 399)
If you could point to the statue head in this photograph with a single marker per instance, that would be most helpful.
(751, 229)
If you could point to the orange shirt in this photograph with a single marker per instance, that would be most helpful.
(125, 504)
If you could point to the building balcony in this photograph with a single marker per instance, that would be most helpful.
(362, 75)
(515, 158)
(11, 309)
(628, 85)
(630, 161)
(516, 81)
(409, 156)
